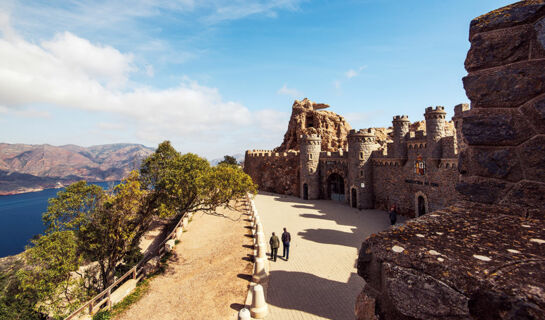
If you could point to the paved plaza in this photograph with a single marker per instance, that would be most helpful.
(320, 279)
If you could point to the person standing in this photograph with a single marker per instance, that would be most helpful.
(393, 215)
(275, 243)
(286, 239)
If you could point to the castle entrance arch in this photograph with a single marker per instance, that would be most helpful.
(354, 198)
(335, 187)
(421, 204)
(305, 191)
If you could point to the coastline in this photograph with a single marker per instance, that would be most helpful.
(38, 189)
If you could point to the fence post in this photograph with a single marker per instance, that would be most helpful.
(109, 299)
(134, 273)
(91, 308)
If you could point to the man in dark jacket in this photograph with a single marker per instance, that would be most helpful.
(286, 239)
(393, 215)
(275, 243)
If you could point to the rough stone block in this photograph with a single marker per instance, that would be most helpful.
(435, 299)
(508, 16)
(505, 87)
(526, 194)
(365, 307)
(495, 127)
(532, 155)
(483, 190)
(499, 47)
(535, 113)
(499, 163)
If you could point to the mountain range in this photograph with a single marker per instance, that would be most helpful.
(25, 168)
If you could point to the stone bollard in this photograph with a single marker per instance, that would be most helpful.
(169, 245)
(261, 250)
(185, 223)
(244, 314)
(260, 237)
(179, 232)
(259, 309)
(259, 227)
(259, 271)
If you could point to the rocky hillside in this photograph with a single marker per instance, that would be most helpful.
(26, 168)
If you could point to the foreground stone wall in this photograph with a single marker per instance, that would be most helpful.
(504, 162)
(276, 172)
(484, 257)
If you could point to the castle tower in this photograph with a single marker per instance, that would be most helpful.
(435, 130)
(310, 156)
(360, 146)
(458, 113)
(401, 128)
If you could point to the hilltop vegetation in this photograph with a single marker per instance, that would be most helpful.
(92, 233)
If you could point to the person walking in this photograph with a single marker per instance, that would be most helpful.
(393, 215)
(286, 239)
(275, 243)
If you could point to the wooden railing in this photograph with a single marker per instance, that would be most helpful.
(135, 272)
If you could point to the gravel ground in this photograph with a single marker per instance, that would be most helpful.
(207, 277)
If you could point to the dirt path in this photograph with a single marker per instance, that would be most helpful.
(206, 275)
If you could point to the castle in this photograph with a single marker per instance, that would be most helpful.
(415, 170)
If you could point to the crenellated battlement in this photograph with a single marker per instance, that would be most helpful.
(460, 109)
(336, 154)
(271, 153)
(403, 118)
(312, 136)
(369, 132)
(436, 109)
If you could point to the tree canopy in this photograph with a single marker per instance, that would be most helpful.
(90, 232)
(229, 160)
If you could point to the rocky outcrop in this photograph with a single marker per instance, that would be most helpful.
(32, 167)
(308, 117)
(484, 257)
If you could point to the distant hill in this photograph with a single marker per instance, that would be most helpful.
(238, 156)
(25, 168)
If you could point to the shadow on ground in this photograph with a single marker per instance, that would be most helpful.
(362, 223)
(290, 290)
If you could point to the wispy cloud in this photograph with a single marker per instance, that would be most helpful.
(285, 91)
(351, 73)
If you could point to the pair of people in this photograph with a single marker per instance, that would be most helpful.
(275, 244)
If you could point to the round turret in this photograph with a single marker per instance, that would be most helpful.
(435, 130)
(311, 147)
(360, 146)
(401, 129)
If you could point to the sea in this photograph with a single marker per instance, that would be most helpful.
(21, 218)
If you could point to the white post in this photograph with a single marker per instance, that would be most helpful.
(259, 309)
(244, 314)
(260, 274)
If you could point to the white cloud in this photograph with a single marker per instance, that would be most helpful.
(285, 91)
(59, 73)
(97, 61)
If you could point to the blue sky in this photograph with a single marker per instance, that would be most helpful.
(218, 77)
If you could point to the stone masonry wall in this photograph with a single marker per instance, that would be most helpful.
(504, 162)
(484, 257)
(398, 185)
(273, 171)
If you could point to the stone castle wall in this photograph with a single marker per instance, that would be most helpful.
(398, 185)
(484, 256)
(276, 172)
